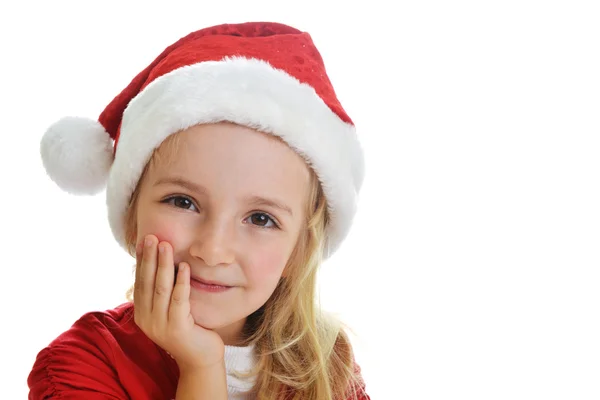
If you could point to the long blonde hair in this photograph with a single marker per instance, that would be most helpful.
(303, 353)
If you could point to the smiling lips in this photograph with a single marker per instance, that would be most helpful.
(208, 285)
(209, 282)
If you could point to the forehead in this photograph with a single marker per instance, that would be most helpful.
(232, 158)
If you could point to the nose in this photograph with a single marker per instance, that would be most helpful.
(213, 244)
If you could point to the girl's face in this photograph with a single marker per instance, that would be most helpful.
(232, 203)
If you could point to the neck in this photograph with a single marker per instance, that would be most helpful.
(232, 335)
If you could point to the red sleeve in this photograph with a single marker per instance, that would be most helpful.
(75, 366)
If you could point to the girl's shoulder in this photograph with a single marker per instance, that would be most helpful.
(103, 354)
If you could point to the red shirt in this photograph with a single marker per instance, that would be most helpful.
(104, 355)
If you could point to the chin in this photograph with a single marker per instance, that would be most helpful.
(207, 321)
(209, 318)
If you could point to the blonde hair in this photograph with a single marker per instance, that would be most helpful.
(303, 353)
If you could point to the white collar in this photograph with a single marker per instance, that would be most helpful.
(241, 360)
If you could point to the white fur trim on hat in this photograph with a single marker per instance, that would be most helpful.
(77, 154)
(251, 93)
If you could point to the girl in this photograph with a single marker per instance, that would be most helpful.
(234, 172)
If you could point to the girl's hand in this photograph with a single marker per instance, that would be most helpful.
(162, 308)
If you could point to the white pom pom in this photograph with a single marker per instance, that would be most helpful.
(77, 154)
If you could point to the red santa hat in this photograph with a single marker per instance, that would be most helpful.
(265, 76)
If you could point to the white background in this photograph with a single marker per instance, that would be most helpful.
(472, 271)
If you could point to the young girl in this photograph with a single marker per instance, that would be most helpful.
(234, 172)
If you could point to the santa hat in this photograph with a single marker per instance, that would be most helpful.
(265, 76)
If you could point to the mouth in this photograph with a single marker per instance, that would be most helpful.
(208, 285)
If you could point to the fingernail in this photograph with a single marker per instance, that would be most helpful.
(148, 242)
(161, 248)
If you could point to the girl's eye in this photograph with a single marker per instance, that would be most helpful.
(263, 220)
(181, 202)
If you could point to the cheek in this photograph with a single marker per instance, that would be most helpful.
(164, 229)
(265, 268)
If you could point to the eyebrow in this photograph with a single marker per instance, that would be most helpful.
(254, 200)
(261, 201)
(191, 186)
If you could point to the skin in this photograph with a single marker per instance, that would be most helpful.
(200, 211)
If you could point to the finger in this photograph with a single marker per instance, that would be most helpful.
(180, 299)
(144, 284)
(163, 286)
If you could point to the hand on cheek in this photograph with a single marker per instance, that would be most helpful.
(162, 308)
